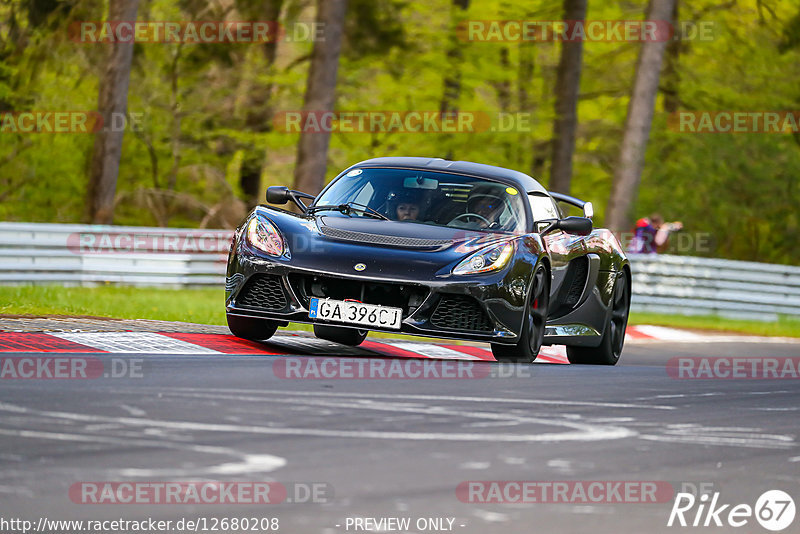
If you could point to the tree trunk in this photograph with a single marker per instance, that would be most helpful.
(250, 177)
(259, 106)
(671, 74)
(527, 104)
(112, 102)
(568, 82)
(452, 80)
(503, 89)
(312, 152)
(503, 86)
(259, 114)
(525, 77)
(637, 124)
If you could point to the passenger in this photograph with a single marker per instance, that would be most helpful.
(407, 211)
(404, 206)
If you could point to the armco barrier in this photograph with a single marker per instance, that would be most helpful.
(703, 286)
(33, 253)
(89, 255)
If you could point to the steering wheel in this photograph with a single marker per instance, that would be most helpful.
(475, 215)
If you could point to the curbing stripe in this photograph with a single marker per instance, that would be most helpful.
(133, 343)
(225, 344)
(35, 342)
(288, 343)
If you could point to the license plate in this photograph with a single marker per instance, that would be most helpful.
(342, 311)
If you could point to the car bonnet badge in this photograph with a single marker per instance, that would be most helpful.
(359, 267)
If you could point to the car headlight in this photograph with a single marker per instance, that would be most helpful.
(489, 259)
(263, 235)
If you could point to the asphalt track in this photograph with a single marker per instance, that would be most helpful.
(400, 447)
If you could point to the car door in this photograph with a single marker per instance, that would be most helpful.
(564, 248)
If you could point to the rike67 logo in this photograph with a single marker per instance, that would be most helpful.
(774, 510)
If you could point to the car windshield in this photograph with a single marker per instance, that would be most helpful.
(425, 197)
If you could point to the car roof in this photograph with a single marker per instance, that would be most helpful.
(520, 180)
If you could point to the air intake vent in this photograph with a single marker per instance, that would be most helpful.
(460, 312)
(263, 291)
(234, 281)
(400, 295)
(580, 272)
(387, 240)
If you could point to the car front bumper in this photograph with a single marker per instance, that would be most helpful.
(487, 308)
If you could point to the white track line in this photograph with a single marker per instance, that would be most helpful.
(432, 351)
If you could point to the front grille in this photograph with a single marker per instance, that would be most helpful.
(263, 291)
(460, 312)
(387, 240)
(406, 296)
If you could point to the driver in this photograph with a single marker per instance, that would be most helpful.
(488, 205)
(404, 205)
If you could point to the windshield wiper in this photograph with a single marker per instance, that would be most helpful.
(348, 207)
(369, 211)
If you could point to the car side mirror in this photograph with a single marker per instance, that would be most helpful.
(576, 225)
(570, 225)
(278, 194)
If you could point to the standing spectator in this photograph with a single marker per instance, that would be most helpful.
(651, 234)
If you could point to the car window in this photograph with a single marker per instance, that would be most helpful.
(365, 194)
(543, 207)
(432, 198)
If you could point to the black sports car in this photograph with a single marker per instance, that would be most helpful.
(431, 247)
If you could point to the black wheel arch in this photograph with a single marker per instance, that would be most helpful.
(543, 260)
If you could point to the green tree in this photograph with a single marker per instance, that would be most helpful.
(312, 151)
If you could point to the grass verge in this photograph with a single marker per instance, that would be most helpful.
(206, 306)
(784, 327)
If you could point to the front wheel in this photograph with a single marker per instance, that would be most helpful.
(610, 348)
(343, 336)
(532, 335)
(251, 328)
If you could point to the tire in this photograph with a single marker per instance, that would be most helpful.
(343, 336)
(532, 335)
(251, 328)
(610, 348)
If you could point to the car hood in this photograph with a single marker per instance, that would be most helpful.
(388, 249)
(399, 234)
